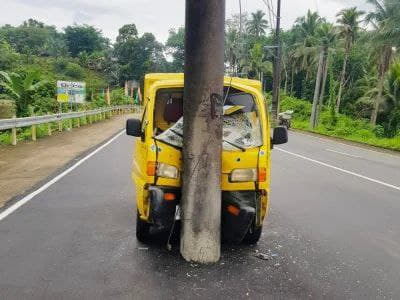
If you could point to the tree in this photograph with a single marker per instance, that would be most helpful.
(81, 38)
(238, 44)
(127, 32)
(21, 88)
(349, 25)
(231, 46)
(175, 46)
(392, 100)
(258, 64)
(308, 25)
(366, 87)
(137, 56)
(305, 28)
(29, 38)
(8, 57)
(326, 36)
(257, 25)
(386, 35)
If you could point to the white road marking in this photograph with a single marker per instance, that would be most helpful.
(44, 187)
(343, 153)
(340, 169)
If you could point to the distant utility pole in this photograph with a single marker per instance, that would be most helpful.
(277, 67)
(240, 17)
(202, 130)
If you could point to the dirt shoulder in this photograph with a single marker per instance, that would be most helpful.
(28, 163)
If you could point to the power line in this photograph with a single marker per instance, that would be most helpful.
(271, 12)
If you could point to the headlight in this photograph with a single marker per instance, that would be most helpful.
(243, 175)
(167, 171)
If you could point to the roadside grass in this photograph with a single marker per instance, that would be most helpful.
(344, 127)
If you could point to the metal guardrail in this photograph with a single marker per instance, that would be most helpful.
(29, 121)
(15, 123)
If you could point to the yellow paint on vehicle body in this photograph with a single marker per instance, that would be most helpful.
(147, 149)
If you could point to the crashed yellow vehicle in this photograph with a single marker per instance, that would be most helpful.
(157, 159)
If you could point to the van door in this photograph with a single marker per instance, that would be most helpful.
(140, 166)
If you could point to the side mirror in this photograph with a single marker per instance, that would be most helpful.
(280, 135)
(134, 127)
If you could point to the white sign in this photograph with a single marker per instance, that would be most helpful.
(73, 92)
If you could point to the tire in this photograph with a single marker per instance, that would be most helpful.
(142, 229)
(253, 235)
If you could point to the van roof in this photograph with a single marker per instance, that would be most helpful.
(151, 78)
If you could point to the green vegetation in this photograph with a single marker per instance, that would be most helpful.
(33, 56)
(347, 72)
(339, 125)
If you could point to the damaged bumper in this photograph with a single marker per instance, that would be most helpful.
(240, 211)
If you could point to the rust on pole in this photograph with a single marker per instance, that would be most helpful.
(202, 146)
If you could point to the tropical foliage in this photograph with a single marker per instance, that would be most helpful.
(347, 68)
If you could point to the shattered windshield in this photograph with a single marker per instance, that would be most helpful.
(241, 125)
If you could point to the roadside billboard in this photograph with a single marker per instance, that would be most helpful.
(72, 92)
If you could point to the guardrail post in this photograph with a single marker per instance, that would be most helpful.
(48, 127)
(60, 125)
(33, 131)
(78, 122)
(14, 134)
(70, 123)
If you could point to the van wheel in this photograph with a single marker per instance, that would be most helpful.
(253, 235)
(142, 229)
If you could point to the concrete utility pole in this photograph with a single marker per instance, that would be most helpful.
(277, 68)
(202, 143)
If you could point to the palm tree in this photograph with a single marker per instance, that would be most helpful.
(231, 48)
(326, 36)
(366, 86)
(386, 34)
(392, 100)
(306, 28)
(349, 25)
(21, 89)
(308, 25)
(257, 25)
(258, 64)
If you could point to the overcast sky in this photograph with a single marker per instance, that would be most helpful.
(156, 16)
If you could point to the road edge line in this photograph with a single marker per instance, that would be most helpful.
(8, 211)
(340, 169)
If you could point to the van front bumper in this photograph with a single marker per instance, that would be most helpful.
(239, 211)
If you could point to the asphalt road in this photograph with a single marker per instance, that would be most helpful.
(333, 232)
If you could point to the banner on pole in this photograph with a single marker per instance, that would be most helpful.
(72, 92)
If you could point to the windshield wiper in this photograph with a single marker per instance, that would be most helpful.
(177, 133)
(235, 145)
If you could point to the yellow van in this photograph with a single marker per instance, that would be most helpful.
(157, 159)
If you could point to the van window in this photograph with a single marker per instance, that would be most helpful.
(241, 123)
(168, 109)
